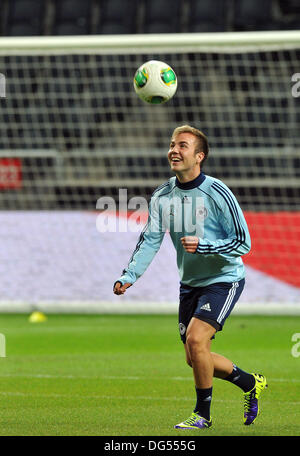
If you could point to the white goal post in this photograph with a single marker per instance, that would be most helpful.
(149, 43)
(72, 130)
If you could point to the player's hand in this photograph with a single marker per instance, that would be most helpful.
(190, 243)
(120, 289)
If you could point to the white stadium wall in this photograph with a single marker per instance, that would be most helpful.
(57, 261)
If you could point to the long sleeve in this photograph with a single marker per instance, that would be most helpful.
(237, 240)
(148, 245)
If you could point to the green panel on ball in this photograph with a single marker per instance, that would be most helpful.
(168, 76)
(141, 78)
(157, 100)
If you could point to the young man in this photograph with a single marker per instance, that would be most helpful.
(210, 235)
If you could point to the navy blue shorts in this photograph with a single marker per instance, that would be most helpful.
(212, 304)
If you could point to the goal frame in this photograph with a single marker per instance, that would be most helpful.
(127, 44)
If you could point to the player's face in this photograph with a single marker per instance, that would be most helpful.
(181, 155)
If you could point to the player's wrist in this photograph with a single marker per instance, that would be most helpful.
(116, 282)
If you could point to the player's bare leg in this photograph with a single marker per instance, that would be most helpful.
(251, 384)
(222, 366)
(198, 341)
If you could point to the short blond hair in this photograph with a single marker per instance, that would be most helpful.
(202, 145)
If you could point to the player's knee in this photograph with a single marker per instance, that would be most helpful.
(196, 342)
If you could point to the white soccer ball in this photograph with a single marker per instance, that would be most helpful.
(155, 82)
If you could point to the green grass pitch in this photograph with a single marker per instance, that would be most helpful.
(117, 375)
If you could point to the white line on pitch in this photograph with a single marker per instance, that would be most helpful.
(120, 377)
(130, 398)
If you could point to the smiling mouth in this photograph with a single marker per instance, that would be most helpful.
(175, 160)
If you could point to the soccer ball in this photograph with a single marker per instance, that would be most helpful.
(155, 82)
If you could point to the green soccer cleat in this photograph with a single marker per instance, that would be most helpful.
(251, 409)
(195, 421)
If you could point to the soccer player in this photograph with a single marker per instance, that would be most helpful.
(210, 235)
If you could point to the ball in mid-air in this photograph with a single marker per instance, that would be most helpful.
(155, 82)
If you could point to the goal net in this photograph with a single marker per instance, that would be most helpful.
(72, 130)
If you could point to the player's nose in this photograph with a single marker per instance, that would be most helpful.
(173, 150)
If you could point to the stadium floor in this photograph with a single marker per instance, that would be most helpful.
(125, 375)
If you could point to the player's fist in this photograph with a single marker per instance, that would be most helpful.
(190, 243)
(120, 289)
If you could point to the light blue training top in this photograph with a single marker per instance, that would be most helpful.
(204, 207)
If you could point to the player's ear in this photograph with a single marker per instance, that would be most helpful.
(200, 157)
